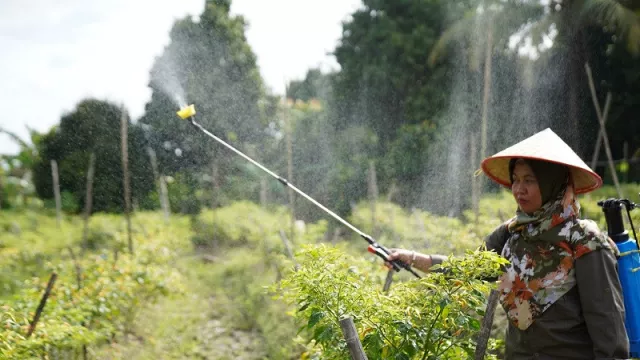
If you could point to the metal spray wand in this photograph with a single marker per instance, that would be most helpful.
(189, 112)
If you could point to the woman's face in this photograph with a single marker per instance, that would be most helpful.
(524, 187)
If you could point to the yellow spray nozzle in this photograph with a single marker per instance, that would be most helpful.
(187, 111)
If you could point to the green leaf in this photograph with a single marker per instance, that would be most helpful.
(316, 316)
(475, 324)
(323, 333)
(303, 307)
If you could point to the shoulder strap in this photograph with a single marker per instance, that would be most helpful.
(497, 239)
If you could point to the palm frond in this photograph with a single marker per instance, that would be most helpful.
(505, 19)
(15, 138)
(536, 30)
(454, 33)
(617, 18)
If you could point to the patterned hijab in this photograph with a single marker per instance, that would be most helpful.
(558, 199)
(543, 246)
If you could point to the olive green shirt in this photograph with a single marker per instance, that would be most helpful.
(585, 323)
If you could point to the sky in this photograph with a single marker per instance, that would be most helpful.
(56, 53)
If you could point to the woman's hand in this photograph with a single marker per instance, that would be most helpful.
(401, 254)
(417, 260)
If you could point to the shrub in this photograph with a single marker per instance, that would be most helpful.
(103, 303)
(436, 317)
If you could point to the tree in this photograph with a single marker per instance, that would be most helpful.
(315, 85)
(553, 84)
(384, 80)
(484, 30)
(209, 63)
(92, 127)
(578, 26)
(386, 91)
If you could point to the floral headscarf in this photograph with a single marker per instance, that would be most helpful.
(542, 249)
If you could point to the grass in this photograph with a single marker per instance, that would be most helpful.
(190, 325)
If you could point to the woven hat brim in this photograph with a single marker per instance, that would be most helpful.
(545, 146)
(497, 168)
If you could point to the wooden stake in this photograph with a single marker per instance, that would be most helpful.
(88, 200)
(124, 127)
(214, 182)
(1, 185)
(56, 191)
(475, 196)
(625, 152)
(388, 281)
(487, 89)
(486, 94)
(214, 198)
(373, 195)
(289, 130)
(160, 183)
(487, 323)
(393, 190)
(43, 302)
(596, 151)
(263, 192)
(603, 129)
(353, 340)
(287, 246)
(76, 264)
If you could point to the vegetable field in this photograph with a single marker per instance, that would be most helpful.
(223, 285)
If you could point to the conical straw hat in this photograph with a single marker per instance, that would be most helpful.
(546, 146)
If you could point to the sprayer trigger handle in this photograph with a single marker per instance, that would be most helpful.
(402, 264)
(378, 251)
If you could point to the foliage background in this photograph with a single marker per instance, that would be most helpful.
(390, 141)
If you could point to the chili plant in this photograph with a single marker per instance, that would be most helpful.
(436, 317)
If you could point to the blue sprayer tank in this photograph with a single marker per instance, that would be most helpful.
(628, 270)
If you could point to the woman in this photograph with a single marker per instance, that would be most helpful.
(561, 291)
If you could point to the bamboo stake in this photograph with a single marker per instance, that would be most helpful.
(124, 127)
(605, 138)
(88, 200)
(353, 340)
(56, 191)
(43, 302)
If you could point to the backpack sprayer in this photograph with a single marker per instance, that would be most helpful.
(628, 265)
(374, 248)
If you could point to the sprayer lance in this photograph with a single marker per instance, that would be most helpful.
(189, 112)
